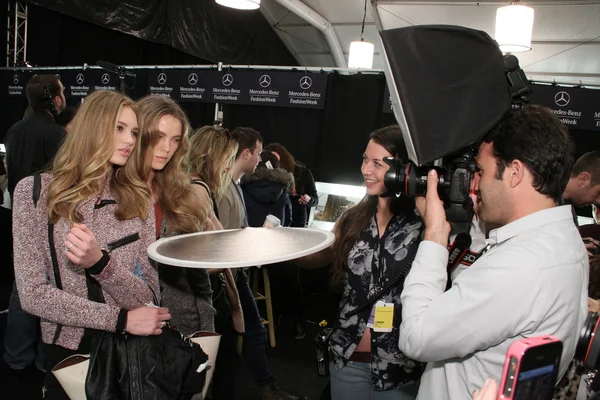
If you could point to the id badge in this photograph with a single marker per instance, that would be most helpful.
(383, 320)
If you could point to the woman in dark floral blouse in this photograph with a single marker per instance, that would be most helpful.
(375, 243)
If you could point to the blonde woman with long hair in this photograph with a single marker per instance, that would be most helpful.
(186, 292)
(94, 219)
(211, 157)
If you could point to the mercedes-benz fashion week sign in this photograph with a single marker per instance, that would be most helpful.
(273, 88)
(77, 83)
(576, 108)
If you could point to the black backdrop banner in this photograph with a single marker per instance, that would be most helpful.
(200, 28)
(264, 88)
(578, 108)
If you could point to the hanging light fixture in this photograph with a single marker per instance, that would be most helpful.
(514, 26)
(240, 4)
(361, 52)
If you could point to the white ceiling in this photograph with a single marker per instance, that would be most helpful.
(565, 46)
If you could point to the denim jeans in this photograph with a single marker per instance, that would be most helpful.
(254, 351)
(354, 382)
(22, 339)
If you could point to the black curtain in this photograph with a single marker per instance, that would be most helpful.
(200, 28)
(353, 110)
(57, 39)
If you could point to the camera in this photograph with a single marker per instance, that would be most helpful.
(453, 181)
(322, 348)
(588, 345)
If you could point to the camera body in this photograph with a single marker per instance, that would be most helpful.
(455, 173)
(322, 350)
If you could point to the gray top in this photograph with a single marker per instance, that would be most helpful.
(239, 247)
(533, 281)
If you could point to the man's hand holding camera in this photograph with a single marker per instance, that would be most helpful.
(431, 208)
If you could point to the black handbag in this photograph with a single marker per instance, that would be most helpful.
(130, 367)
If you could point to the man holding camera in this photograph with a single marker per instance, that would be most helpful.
(532, 280)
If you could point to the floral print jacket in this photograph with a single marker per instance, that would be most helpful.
(372, 262)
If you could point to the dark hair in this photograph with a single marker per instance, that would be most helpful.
(285, 157)
(537, 138)
(267, 156)
(66, 116)
(36, 88)
(246, 139)
(590, 163)
(353, 221)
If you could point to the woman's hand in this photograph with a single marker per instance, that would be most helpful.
(489, 391)
(81, 247)
(145, 321)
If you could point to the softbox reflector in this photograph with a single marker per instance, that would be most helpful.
(448, 87)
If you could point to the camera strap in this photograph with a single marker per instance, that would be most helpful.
(457, 250)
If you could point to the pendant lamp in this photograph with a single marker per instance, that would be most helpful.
(514, 26)
(361, 52)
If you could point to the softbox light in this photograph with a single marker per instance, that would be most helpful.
(448, 87)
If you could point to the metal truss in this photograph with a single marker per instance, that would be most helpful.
(16, 34)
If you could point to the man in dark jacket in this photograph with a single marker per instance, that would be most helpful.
(30, 147)
(266, 192)
(32, 142)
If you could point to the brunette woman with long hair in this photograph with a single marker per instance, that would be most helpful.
(102, 225)
(165, 144)
(375, 244)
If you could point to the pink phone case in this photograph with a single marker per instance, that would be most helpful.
(517, 350)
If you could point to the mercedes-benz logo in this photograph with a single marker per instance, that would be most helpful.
(264, 81)
(15, 79)
(105, 79)
(193, 79)
(79, 79)
(305, 82)
(162, 78)
(227, 79)
(562, 99)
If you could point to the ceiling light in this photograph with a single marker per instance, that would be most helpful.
(514, 26)
(361, 52)
(240, 4)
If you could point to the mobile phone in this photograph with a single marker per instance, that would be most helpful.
(531, 368)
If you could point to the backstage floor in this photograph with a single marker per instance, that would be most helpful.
(291, 361)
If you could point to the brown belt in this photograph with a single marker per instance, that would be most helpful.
(357, 356)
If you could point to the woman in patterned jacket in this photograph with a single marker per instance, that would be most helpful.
(375, 244)
(102, 225)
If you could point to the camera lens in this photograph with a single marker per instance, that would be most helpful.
(588, 346)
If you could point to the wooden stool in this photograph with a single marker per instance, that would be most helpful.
(255, 273)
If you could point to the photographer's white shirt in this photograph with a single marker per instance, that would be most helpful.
(532, 281)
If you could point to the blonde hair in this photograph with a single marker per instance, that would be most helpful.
(212, 149)
(181, 206)
(81, 165)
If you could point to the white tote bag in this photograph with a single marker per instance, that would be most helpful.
(209, 341)
(71, 374)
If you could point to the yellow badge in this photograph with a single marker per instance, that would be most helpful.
(384, 317)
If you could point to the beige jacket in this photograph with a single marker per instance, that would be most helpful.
(231, 209)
